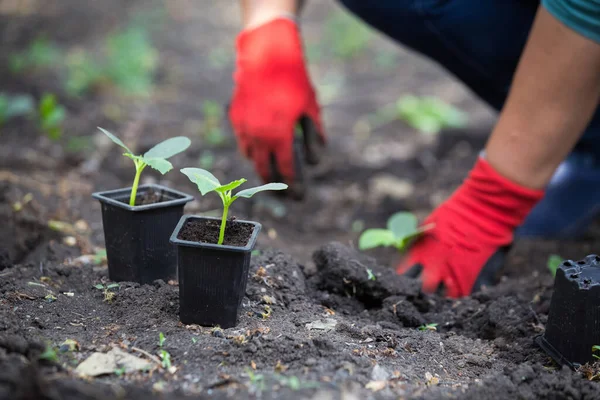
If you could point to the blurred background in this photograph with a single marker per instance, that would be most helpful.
(403, 133)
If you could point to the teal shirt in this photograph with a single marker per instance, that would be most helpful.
(583, 16)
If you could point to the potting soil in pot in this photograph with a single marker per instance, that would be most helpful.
(207, 231)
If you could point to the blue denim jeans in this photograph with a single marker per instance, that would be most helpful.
(478, 41)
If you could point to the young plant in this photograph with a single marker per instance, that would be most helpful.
(429, 114)
(156, 157)
(207, 183)
(161, 339)
(429, 327)
(402, 228)
(595, 349)
(553, 263)
(107, 290)
(51, 116)
(12, 106)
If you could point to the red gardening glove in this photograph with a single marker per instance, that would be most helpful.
(475, 224)
(273, 93)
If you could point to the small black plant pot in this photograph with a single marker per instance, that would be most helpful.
(573, 325)
(137, 238)
(212, 277)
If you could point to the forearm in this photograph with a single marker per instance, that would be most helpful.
(554, 94)
(257, 12)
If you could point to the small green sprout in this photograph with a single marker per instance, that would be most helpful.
(402, 228)
(207, 183)
(161, 339)
(194, 340)
(595, 348)
(166, 359)
(428, 327)
(51, 116)
(107, 290)
(13, 106)
(370, 275)
(429, 114)
(49, 354)
(156, 157)
(553, 263)
(120, 371)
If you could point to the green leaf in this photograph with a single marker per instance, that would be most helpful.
(247, 193)
(554, 262)
(116, 140)
(231, 185)
(159, 164)
(372, 238)
(112, 286)
(19, 105)
(402, 224)
(99, 286)
(206, 181)
(161, 339)
(169, 148)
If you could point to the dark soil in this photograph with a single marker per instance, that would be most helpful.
(313, 325)
(207, 231)
(150, 196)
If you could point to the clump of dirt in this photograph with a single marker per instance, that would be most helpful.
(207, 231)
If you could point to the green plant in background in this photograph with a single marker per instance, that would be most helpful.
(161, 339)
(349, 36)
(41, 53)
(207, 183)
(156, 157)
(553, 263)
(402, 228)
(131, 60)
(51, 116)
(595, 349)
(83, 73)
(13, 106)
(429, 114)
(49, 354)
(429, 327)
(213, 114)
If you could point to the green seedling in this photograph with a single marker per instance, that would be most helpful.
(213, 113)
(41, 53)
(429, 114)
(428, 327)
(553, 263)
(257, 381)
(370, 275)
(348, 35)
(596, 348)
(107, 290)
(194, 340)
(119, 371)
(51, 116)
(100, 256)
(166, 359)
(402, 228)
(161, 339)
(207, 183)
(156, 157)
(13, 106)
(49, 354)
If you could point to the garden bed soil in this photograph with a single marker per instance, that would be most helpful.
(207, 231)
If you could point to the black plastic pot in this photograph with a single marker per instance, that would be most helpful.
(573, 325)
(212, 278)
(137, 238)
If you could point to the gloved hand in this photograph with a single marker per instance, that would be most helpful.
(273, 94)
(471, 233)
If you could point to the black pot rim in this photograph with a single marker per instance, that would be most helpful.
(104, 198)
(178, 242)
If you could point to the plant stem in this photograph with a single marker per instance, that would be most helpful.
(223, 223)
(136, 182)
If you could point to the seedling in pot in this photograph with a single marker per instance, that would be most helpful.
(402, 229)
(156, 157)
(207, 183)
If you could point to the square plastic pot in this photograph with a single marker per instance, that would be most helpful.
(212, 278)
(573, 325)
(137, 238)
